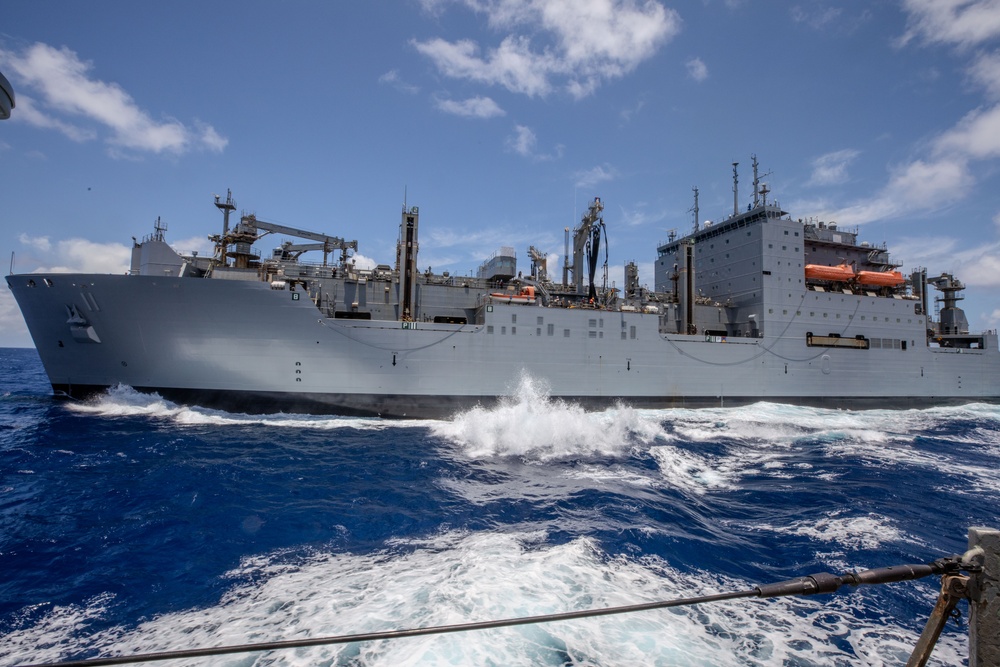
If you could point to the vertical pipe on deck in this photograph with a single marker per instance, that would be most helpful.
(984, 602)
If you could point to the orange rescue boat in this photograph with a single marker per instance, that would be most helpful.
(840, 273)
(881, 278)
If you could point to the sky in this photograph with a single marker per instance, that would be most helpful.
(501, 120)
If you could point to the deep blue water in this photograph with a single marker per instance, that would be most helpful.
(132, 524)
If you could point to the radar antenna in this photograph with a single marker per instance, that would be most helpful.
(757, 190)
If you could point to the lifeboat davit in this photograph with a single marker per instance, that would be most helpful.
(840, 273)
(526, 296)
(881, 278)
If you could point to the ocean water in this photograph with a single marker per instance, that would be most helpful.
(130, 524)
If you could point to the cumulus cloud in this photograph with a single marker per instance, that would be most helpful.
(363, 262)
(68, 99)
(474, 107)
(697, 70)
(79, 255)
(199, 244)
(831, 168)
(579, 45)
(40, 243)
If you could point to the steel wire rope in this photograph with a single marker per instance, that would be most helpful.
(763, 351)
(807, 585)
(392, 349)
(821, 352)
(741, 361)
(768, 350)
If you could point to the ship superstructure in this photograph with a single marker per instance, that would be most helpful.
(758, 306)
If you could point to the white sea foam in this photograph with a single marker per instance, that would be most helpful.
(868, 531)
(530, 424)
(460, 577)
(784, 425)
(533, 428)
(124, 401)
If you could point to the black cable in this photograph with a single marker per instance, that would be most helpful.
(808, 585)
(390, 634)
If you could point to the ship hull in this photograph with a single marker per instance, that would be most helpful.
(243, 347)
(401, 406)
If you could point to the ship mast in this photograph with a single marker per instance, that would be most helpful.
(736, 190)
(759, 191)
(226, 207)
(566, 260)
(695, 209)
(406, 261)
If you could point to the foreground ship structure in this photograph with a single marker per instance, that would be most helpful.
(758, 306)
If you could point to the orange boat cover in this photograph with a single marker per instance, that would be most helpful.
(840, 273)
(881, 278)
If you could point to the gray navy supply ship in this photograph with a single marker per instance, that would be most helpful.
(758, 306)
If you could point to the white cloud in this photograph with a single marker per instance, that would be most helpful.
(591, 177)
(13, 331)
(697, 70)
(831, 168)
(474, 107)
(212, 139)
(639, 216)
(66, 90)
(963, 23)
(28, 112)
(363, 262)
(975, 136)
(585, 43)
(979, 265)
(523, 142)
(511, 65)
(817, 18)
(79, 255)
(393, 79)
(199, 244)
(985, 71)
(946, 173)
(627, 114)
(916, 186)
(37, 242)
